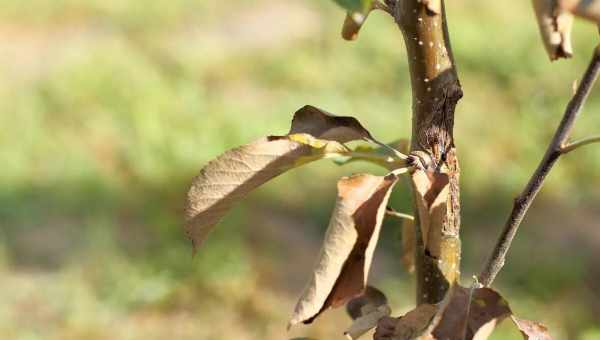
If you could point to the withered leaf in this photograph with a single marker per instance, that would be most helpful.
(555, 26)
(470, 314)
(366, 322)
(587, 9)
(227, 179)
(487, 308)
(344, 261)
(324, 125)
(366, 310)
(410, 326)
(369, 300)
(531, 330)
(431, 190)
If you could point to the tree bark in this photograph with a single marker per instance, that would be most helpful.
(435, 93)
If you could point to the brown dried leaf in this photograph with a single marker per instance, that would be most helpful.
(228, 178)
(410, 326)
(587, 9)
(431, 191)
(531, 330)
(555, 26)
(460, 319)
(345, 258)
(324, 125)
(487, 309)
(366, 322)
(368, 301)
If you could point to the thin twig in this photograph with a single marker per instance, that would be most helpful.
(579, 143)
(554, 151)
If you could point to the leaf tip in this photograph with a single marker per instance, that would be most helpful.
(352, 25)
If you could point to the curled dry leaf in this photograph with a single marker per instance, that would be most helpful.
(366, 310)
(410, 326)
(344, 261)
(324, 125)
(431, 190)
(587, 9)
(231, 176)
(466, 316)
(368, 301)
(481, 311)
(531, 330)
(555, 26)
(366, 322)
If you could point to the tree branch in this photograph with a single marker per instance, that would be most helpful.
(555, 150)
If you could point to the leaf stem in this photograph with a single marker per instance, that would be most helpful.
(396, 153)
(390, 211)
(555, 150)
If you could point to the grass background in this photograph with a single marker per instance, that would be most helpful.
(109, 108)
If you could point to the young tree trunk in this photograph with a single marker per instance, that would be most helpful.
(435, 92)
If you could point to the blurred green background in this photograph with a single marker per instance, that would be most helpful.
(108, 108)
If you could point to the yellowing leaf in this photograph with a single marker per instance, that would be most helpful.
(386, 157)
(345, 259)
(231, 176)
(322, 146)
(555, 27)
